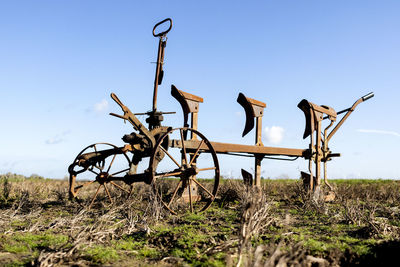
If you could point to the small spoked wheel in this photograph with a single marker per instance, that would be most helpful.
(187, 177)
(99, 166)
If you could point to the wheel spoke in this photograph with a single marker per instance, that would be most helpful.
(120, 172)
(118, 186)
(83, 185)
(108, 193)
(94, 168)
(195, 154)
(173, 190)
(184, 160)
(167, 174)
(205, 189)
(169, 155)
(95, 195)
(206, 169)
(112, 161)
(174, 194)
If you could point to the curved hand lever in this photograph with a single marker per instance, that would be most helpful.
(349, 111)
(131, 118)
(164, 32)
(116, 99)
(367, 96)
(362, 99)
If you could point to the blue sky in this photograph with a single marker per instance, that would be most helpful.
(60, 60)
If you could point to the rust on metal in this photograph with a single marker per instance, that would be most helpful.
(180, 186)
(319, 144)
(225, 148)
(189, 104)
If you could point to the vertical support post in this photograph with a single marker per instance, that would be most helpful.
(311, 183)
(259, 131)
(160, 58)
(257, 171)
(193, 124)
(258, 158)
(318, 155)
(312, 149)
(160, 62)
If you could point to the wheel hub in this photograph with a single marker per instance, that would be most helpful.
(102, 177)
(188, 173)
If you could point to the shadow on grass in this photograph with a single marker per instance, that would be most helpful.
(383, 254)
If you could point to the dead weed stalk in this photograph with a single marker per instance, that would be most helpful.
(256, 216)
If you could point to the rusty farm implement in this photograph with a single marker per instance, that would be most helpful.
(181, 163)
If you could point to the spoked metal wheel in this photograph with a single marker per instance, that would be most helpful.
(187, 177)
(97, 167)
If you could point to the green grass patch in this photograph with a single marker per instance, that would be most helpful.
(25, 242)
(101, 254)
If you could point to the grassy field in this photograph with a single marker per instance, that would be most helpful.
(280, 225)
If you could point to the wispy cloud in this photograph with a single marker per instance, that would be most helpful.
(98, 107)
(274, 134)
(101, 106)
(58, 138)
(379, 132)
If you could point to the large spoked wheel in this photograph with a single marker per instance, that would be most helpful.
(187, 178)
(97, 167)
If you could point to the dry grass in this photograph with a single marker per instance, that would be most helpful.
(278, 225)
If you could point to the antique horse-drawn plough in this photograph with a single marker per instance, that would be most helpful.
(182, 165)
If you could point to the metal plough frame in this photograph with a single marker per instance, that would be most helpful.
(179, 189)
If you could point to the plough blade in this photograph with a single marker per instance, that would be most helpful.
(189, 103)
(305, 107)
(249, 114)
(314, 187)
(307, 183)
(253, 108)
(247, 178)
(314, 114)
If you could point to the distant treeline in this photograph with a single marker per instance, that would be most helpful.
(18, 177)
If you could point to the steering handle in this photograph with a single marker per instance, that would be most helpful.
(367, 96)
(164, 32)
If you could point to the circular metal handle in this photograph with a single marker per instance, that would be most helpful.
(164, 32)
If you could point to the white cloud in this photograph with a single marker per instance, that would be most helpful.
(54, 140)
(101, 106)
(379, 132)
(58, 138)
(274, 134)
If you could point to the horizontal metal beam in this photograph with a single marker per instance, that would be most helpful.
(236, 148)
